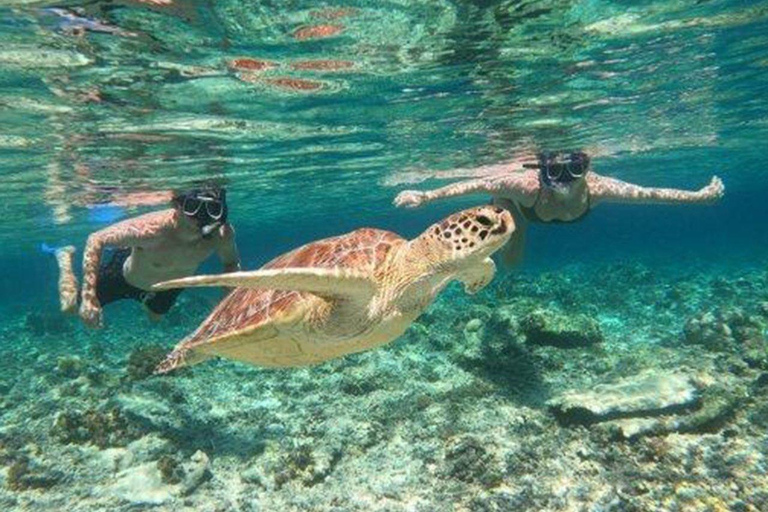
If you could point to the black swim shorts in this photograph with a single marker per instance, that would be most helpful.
(112, 286)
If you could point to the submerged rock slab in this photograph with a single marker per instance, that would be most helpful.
(149, 483)
(715, 407)
(646, 394)
(143, 485)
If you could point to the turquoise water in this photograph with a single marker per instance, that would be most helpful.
(312, 114)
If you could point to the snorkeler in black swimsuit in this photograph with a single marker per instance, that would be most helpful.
(557, 187)
(557, 168)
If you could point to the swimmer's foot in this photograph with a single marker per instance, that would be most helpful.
(50, 249)
(66, 251)
(68, 305)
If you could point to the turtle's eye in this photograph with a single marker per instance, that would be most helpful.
(485, 221)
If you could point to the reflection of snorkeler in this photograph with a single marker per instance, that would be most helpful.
(75, 22)
(556, 187)
(154, 247)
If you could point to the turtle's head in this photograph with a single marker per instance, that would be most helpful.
(458, 247)
(467, 238)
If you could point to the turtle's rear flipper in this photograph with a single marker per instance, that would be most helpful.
(260, 345)
(179, 358)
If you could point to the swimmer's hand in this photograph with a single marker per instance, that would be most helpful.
(712, 192)
(410, 199)
(156, 2)
(91, 314)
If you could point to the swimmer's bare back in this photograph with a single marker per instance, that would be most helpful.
(165, 245)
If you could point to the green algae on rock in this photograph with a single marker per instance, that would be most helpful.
(468, 460)
(103, 428)
(547, 327)
(143, 360)
(69, 366)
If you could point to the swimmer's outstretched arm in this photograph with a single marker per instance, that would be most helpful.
(482, 172)
(517, 186)
(128, 233)
(612, 190)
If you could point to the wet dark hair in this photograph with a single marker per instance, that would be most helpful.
(209, 190)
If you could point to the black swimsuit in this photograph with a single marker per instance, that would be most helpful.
(529, 212)
(112, 286)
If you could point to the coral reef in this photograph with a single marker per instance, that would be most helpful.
(549, 391)
(101, 427)
(143, 361)
(731, 330)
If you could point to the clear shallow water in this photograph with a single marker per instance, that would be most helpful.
(341, 98)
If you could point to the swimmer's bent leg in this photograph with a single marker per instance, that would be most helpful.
(68, 287)
(511, 254)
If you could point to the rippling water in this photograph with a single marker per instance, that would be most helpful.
(316, 105)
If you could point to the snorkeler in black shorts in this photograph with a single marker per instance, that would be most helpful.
(146, 250)
(113, 286)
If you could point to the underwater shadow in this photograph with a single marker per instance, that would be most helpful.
(511, 369)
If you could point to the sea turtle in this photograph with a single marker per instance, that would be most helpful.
(341, 295)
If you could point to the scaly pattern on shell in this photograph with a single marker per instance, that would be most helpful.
(245, 308)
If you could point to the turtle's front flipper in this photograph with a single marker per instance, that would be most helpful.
(477, 277)
(328, 282)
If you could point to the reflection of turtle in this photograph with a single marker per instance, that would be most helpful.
(343, 294)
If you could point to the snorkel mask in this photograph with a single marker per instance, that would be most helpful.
(208, 207)
(561, 168)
